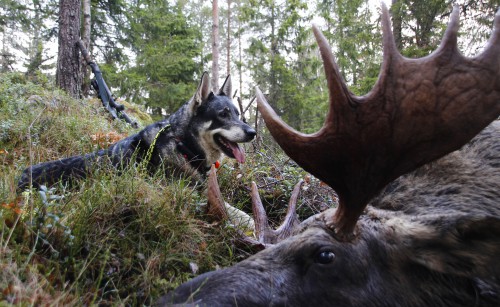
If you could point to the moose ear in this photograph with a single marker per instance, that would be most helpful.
(469, 247)
(226, 88)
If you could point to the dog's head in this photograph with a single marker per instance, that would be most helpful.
(217, 122)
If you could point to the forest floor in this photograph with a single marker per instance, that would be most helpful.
(116, 239)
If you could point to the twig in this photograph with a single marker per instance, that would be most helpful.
(241, 110)
(12, 231)
(249, 104)
(30, 146)
(258, 140)
(32, 250)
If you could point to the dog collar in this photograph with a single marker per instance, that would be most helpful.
(191, 157)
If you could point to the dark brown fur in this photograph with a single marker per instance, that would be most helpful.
(404, 233)
(432, 238)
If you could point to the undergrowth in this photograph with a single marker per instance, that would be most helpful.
(115, 239)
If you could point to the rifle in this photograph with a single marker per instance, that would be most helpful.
(103, 92)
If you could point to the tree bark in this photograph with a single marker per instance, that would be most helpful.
(397, 24)
(215, 46)
(68, 74)
(86, 43)
(7, 58)
(240, 55)
(228, 47)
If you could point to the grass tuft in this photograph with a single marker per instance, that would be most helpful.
(114, 239)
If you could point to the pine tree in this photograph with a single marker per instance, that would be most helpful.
(355, 41)
(424, 23)
(68, 75)
(275, 26)
(215, 45)
(165, 48)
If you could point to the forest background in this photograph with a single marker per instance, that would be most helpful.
(152, 52)
(126, 240)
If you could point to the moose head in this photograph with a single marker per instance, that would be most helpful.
(409, 230)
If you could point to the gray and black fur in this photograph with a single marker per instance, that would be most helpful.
(189, 141)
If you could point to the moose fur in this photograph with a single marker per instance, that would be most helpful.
(431, 238)
(410, 230)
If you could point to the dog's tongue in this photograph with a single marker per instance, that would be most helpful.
(238, 154)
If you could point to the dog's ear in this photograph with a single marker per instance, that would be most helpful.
(202, 92)
(226, 88)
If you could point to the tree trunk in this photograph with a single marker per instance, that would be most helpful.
(86, 43)
(228, 47)
(215, 46)
(240, 56)
(273, 78)
(7, 58)
(36, 47)
(397, 24)
(68, 74)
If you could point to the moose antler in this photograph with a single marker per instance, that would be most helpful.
(418, 111)
(263, 231)
(264, 234)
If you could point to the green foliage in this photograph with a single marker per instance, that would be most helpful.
(280, 59)
(355, 40)
(28, 50)
(115, 239)
(424, 21)
(108, 239)
(13, 12)
(109, 28)
(166, 49)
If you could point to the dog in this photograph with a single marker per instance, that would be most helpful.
(189, 141)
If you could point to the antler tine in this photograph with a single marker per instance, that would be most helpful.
(493, 47)
(389, 45)
(418, 111)
(450, 37)
(262, 229)
(388, 42)
(291, 220)
(216, 207)
(339, 94)
(265, 234)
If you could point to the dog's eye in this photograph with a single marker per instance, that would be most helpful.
(224, 113)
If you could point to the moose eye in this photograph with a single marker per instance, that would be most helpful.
(324, 257)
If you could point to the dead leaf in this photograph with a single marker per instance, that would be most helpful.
(104, 140)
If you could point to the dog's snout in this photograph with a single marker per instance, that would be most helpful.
(251, 133)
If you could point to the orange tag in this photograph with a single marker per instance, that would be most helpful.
(217, 164)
